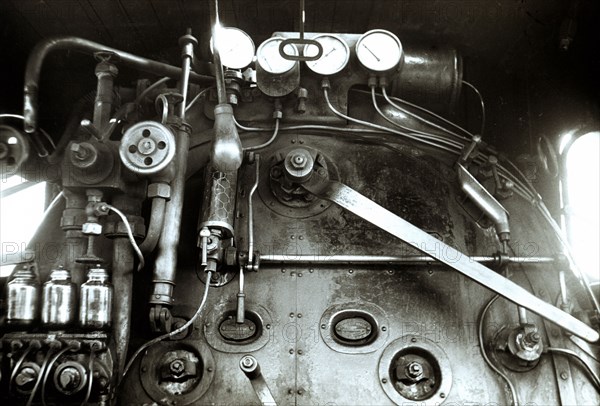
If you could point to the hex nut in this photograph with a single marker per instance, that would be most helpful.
(159, 190)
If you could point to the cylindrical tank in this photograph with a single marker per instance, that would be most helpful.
(95, 309)
(218, 206)
(59, 298)
(22, 297)
(431, 77)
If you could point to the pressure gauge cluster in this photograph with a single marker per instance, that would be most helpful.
(378, 51)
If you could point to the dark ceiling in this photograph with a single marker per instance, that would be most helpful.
(510, 47)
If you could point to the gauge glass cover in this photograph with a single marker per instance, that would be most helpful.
(269, 58)
(334, 58)
(236, 48)
(379, 50)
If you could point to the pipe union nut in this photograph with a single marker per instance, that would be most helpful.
(162, 190)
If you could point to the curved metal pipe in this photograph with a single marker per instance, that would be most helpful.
(157, 217)
(47, 46)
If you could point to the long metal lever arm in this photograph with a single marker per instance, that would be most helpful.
(358, 204)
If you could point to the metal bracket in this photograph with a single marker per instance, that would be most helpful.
(160, 319)
(249, 365)
(377, 215)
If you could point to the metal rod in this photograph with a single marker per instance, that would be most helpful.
(17, 188)
(215, 25)
(389, 260)
(240, 316)
(563, 287)
(187, 43)
(522, 315)
(251, 213)
(47, 46)
(302, 19)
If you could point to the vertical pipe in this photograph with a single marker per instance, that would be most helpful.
(165, 265)
(166, 258)
(122, 278)
(215, 25)
(72, 219)
(106, 73)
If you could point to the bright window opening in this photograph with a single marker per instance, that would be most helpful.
(20, 215)
(583, 188)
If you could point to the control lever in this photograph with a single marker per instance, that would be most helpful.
(370, 211)
(249, 365)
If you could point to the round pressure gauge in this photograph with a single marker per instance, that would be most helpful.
(271, 61)
(379, 50)
(334, 58)
(236, 48)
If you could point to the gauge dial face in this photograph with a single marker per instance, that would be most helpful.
(269, 58)
(379, 50)
(334, 58)
(236, 48)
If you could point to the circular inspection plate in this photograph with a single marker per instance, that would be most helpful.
(147, 147)
(184, 391)
(434, 361)
(299, 206)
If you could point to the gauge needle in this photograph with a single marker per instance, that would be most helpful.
(267, 62)
(375, 56)
(327, 54)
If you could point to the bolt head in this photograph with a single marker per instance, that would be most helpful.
(247, 361)
(146, 146)
(177, 366)
(299, 161)
(414, 370)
